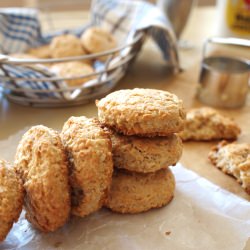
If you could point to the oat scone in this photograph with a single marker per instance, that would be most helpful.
(143, 112)
(22, 56)
(135, 192)
(97, 39)
(41, 162)
(29, 56)
(144, 155)
(204, 124)
(233, 159)
(11, 198)
(42, 52)
(91, 166)
(71, 69)
(66, 46)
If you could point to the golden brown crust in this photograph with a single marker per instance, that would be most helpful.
(141, 154)
(11, 198)
(97, 39)
(42, 52)
(89, 150)
(31, 55)
(233, 159)
(66, 46)
(204, 124)
(23, 56)
(71, 69)
(42, 164)
(134, 193)
(142, 112)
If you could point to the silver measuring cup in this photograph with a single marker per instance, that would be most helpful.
(223, 80)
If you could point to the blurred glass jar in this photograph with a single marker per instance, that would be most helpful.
(178, 12)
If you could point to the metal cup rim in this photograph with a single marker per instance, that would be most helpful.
(243, 65)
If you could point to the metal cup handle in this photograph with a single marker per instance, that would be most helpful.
(226, 41)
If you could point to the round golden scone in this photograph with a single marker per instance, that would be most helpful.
(89, 151)
(11, 198)
(143, 112)
(29, 56)
(66, 46)
(71, 69)
(42, 52)
(144, 155)
(41, 162)
(135, 192)
(23, 56)
(97, 39)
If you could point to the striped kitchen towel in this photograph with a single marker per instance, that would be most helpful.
(20, 30)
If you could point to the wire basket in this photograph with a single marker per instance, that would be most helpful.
(29, 82)
(111, 71)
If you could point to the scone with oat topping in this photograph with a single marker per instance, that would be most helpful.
(73, 69)
(143, 112)
(91, 166)
(42, 164)
(11, 198)
(22, 56)
(97, 39)
(65, 46)
(233, 159)
(204, 124)
(136, 192)
(42, 52)
(144, 155)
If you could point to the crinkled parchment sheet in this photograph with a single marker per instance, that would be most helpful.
(201, 216)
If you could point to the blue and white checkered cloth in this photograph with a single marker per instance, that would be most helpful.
(20, 30)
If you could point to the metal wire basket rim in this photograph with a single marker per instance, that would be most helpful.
(13, 60)
(54, 79)
(59, 90)
(59, 100)
(61, 104)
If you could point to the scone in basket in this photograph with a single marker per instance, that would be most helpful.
(30, 81)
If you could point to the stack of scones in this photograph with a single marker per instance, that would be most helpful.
(143, 124)
(71, 172)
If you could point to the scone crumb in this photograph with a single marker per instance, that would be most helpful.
(205, 124)
(233, 159)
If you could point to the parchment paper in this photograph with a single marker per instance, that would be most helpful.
(201, 216)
